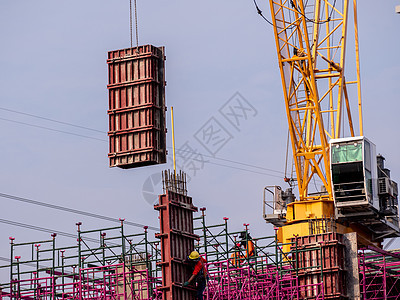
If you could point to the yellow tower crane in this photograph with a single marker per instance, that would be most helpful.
(313, 38)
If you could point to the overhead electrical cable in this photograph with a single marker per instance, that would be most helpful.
(49, 119)
(52, 231)
(37, 228)
(104, 140)
(71, 210)
(52, 129)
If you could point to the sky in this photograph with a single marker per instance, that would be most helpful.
(53, 65)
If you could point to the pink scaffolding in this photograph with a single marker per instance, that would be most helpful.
(249, 283)
(379, 274)
(117, 281)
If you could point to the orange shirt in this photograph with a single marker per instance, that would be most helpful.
(250, 247)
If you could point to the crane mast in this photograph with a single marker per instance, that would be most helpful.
(311, 41)
(313, 38)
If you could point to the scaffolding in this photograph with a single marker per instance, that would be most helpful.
(379, 274)
(109, 263)
(269, 273)
(105, 263)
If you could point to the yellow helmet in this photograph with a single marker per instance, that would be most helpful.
(194, 255)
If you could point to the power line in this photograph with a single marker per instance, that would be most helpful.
(52, 129)
(48, 119)
(71, 210)
(227, 160)
(47, 230)
(37, 228)
(104, 140)
(241, 169)
(5, 259)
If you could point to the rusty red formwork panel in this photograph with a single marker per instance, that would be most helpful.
(137, 130)
(177, 241)
(324, 250)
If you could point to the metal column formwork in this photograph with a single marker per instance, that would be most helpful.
(177, 237)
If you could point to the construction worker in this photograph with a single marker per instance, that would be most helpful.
(236, 258)
(248, 245)
(199, 273)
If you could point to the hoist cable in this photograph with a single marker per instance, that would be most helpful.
(130, 21)
(136, 23)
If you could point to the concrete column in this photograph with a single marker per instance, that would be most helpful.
(351, 266)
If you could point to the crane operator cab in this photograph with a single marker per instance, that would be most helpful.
(362, 188)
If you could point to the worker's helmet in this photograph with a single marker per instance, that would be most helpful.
(194, 255)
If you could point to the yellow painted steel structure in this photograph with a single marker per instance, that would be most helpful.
(312, 37)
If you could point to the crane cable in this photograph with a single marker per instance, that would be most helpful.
(136, 23)
(313, 21)
(131, 23)
(287, 153)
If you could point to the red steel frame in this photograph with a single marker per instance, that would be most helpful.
(177, 238)
(136, 112)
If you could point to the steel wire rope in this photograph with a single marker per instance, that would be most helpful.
(287, 151)
(313, 21)
(259, 11)
(137, 30)
(130, 21)
(71, 210)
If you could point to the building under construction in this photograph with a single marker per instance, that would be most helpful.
(111, 263)
(328, 239)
